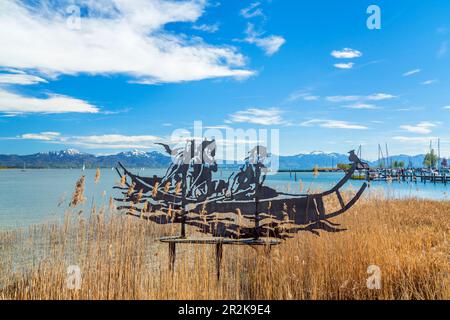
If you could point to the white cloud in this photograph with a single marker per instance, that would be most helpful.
(372, 97)
(116, 37)
(346, 53)
(13, 103)
(113, 141)
(270, 44)
(223, 127)
(429, 82)
(412, 72)
(253, 10)
(115, 138)
(380, 96)
(44, 136)
(265, 117)
(333, 124)
(423, 127)
(361, 106)
(127, 142)
(107, 141)
(447, 107)
(414, 139)
(311, 98)
(302, 95)
(20, 78)
(344, 65)
(210, 28)
(343, 98)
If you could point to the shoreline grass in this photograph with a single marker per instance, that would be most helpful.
(120, 257)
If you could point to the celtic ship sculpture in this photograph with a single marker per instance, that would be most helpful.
(238, 210)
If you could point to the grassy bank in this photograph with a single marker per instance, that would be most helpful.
(120, 258)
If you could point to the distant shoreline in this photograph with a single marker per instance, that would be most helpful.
(70, 168)
(233, 167)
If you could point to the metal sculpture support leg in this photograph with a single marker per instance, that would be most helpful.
(219, 253)
(183, 227)
(172, 256)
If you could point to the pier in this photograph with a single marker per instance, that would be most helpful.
(411, 175)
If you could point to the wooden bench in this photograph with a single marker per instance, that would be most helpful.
(218, 242)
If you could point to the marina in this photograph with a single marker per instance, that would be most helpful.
(412, 175)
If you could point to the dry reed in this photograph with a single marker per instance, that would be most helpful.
(120, 257)
(97, 176)
(78, 195)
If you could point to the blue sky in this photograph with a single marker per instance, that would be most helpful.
(128, 73)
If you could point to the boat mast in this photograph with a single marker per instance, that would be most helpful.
(439, 154)
(388, 163)
(431, 149)
(381, 160)
(379, 157)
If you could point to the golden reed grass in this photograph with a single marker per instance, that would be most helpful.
(78, 195)
(120, 257)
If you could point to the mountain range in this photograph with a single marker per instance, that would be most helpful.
(72, 158)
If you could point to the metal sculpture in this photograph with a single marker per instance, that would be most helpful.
(240, 210)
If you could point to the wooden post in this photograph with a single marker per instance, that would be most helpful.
(219, 252)
(183, 204)
(183, 225)
(256, 214)
(172, 256)
(257, 190)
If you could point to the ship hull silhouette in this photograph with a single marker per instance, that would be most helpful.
(242, 207)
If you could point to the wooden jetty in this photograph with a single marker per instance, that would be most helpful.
(416, 175)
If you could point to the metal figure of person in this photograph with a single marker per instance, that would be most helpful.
(201, 170)
(251, 176)
(177, 169)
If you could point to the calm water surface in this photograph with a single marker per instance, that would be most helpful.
(36, 196)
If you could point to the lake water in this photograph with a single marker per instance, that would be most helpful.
(36, 196)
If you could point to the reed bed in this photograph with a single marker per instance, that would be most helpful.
(120, 257)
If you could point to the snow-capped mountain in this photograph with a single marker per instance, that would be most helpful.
(72, 158)
(309, 160)
(70, 152)
(134, 153)
(135, 158)
(69, 158)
